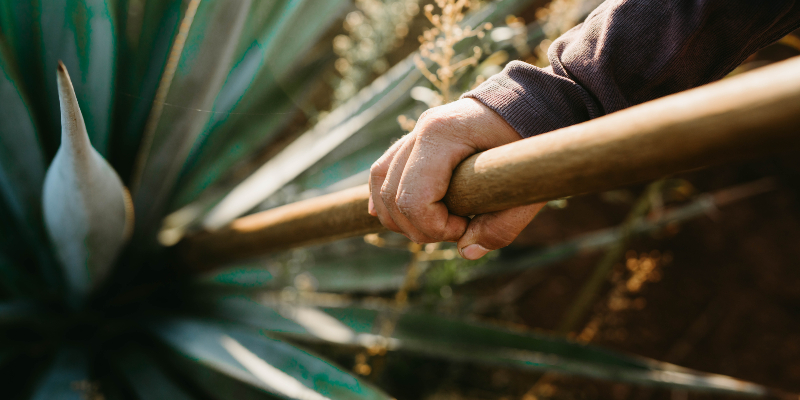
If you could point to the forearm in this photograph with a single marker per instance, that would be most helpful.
(631, 51)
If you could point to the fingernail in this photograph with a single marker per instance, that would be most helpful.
(371, 207)
(473, 252)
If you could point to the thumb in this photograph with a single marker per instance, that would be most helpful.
(487, 232)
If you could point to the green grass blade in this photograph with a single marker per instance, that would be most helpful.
(185, 94)
(66, 377)
(222, 359)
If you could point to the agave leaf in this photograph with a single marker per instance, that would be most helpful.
(483, 343)
(197, 68)
(242, 135)
(316, 143)
(378, 99)
(17, 311)
(87, 210)
(344, 167)
(68, 377)
(451, 339)
(351, 267)
(149, 29)
(269, 59)
(16, 255)
(242, 309)
(145, 377)
(22, 169)
(22, 163)
(227, 359)
(239, 126)
(82, 34)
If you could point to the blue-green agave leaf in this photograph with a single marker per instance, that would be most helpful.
(456, 340)
(242, 135)
(148, 31)
(145, 377)
(24, 252)
(82, 35)
(239, 126)
(68, 378)
(227, 359)
(15, 254)
(241, 308)
(199, 64)
(22, 164)
(359, 268)
(310, 147)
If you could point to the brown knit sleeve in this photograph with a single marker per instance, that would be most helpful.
(627, 52)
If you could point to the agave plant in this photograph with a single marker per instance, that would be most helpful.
(166, 98)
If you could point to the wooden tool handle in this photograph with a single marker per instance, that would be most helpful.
(746, 116)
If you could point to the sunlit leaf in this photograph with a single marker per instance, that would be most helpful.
(352, 267)
(148, 31)
(228, 360)
(261, 90)
(451, 339)
(199, 64)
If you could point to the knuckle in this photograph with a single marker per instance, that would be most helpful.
(427, 114)
(406, 203)
(412, 209)
(387, 195)
(432, 119)
(378, 169)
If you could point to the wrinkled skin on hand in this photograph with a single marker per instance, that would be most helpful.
(410, 180)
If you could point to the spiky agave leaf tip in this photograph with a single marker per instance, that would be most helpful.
(87, 210)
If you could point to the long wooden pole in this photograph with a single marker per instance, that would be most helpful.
(750, 115)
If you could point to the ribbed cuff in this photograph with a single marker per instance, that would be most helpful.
(534, 100)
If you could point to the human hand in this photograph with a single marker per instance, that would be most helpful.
(409, 181)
